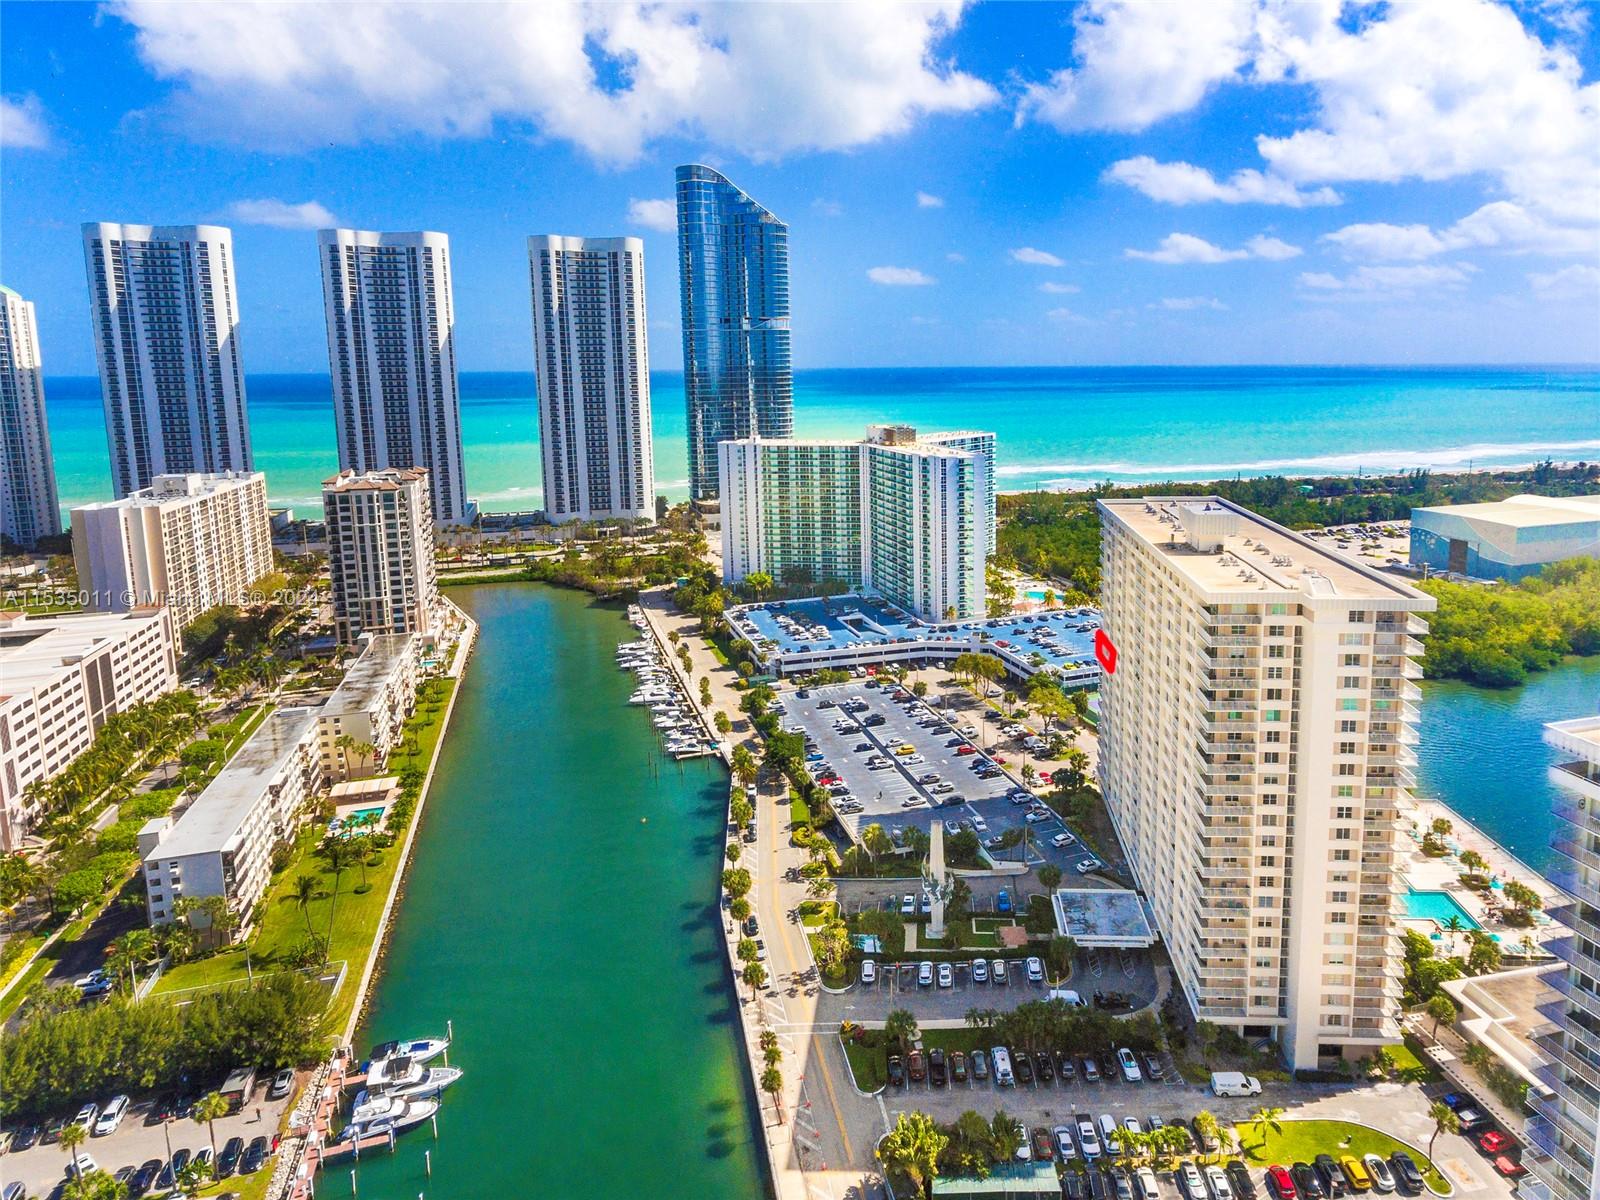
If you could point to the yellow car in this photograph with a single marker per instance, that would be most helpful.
(1356, 1175)
(905, 749)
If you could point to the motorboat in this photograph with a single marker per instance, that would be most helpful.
(421, 1050)
(387, 1114)
(405, 1077)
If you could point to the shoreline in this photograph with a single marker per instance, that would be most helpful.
(1258, 471)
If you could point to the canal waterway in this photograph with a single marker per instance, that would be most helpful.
(562, 913)
(1482, 752)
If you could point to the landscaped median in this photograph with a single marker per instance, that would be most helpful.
(1291, 1141)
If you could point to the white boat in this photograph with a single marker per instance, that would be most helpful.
(388, 1114)
(405, 1077)
(421, 1050)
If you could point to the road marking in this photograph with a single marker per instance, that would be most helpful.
(833, 1100)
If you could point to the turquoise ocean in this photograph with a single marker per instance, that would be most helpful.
(1056, 427)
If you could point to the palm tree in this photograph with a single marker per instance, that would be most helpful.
(207, 1111)
(1441, 1008)
(913, 1148)
(1444, 1121)
(305, 891)
(73, 1136)
(772, 1084)
(345, 743)
(1265, 1118)
(900, 1026)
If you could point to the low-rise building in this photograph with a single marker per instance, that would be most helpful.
(222, 844)
(61, 678)
(1505, 539)
(370, 707)
(187, 541)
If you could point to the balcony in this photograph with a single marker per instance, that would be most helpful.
(1579, 997)
(1584, 818)
(1576, 851)
(1570, 1062)
(1580, 777)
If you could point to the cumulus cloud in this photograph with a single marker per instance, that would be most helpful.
(1059, 289)
(1036, 258)
(899, 277)
(1449, 89)
(22, 123)
(1138, 62)
(1392, 281)
(1189, 303)
(928, 200)
(280, 214)
(1065, 316)
(1576, 282)
(1498, 225)
(660, 215)
(1186, 248)
(827, 208)
(764, 80)
(1184, 183)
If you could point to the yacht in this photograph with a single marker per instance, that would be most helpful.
(387, 1114)
(422, 1050)
(405, 1077)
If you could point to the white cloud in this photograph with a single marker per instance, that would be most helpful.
(1138, 62)
(1399, 281)
(1065, 316)
(280, 214)
(899, 277)
(953, 256)
(928, 200)
(1189, 303)
(1059, 289)
(22, 123)
(827, 208)
(1037, 258)
(1271, 248)
(764, 80)
(1186, 248)
(1497, 225)
(1576, 282)
(1185, 183)
(660, 215)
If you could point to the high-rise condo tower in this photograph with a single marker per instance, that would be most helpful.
(29, 508)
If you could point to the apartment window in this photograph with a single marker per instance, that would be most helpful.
(1339, 918)
(1272, 714)
(1274, 672)
(1344, 835)
(1349, 681)
(1358, 617)
(1344, 812)
(1349, 705)
(1344, 791)
(1275, 652)
(1275, 631)
(1347, 747)
(1339, 897)
(1263, 943)
(1347, 768)
(1343, 856)
(1270, 756)
(1352, 660)
(1274, 735)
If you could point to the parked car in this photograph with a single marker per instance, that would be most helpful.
(1495, 1141)
(1091, 1071)
(1084, 866)
(1280, 1183)
(1191, 1183)
(1328, 1175)
(228, 1160)
(1002, 902)
(1307, 1183)
(145, 1177)
(1121, 1183)
(980, 1065)
(1043, 1144)
(1382, 1177)
(27, 1137)
(254, 1156)
(925, 973)
(980, 971)
(1129, 1065)
(1354, 1173)
(1065, 1149)
(1109, 1130)
(1146, 1187)
(1407, 1176)
(1042, 1066)
(1153, 1067)
(947, 975)
(1061, 839)
(86, 1117)
(1022, 1066)
(1217, 1183)
(1088, 1137)
(1065, 1067)
(958, 1067)
(111, 1116)
(168, 1178)
(897, 1071)
(908, 905)
(1509, 1167)
(1239, 1179)
(998, 969)
(938, 1068)
(1035, 970)
(869, 971)
(916, 1066)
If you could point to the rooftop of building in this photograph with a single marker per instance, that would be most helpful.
(165, 489)
(389, 477)
(1064, 638)
(213, 820)
(1503, 1010)
(888, 437)
(1523, 511)
(1228, 551)
(35, 648)
(364, 681)
(1102, 917)
(1580, 736)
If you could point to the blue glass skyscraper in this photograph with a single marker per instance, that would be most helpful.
(733, 269)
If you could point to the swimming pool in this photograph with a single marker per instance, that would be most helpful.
(1438, 907)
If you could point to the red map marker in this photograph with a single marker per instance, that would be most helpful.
(1106, 651)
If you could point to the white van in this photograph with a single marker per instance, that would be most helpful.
(1232, 1083)
(111, 1116)
(1068, 996)
(1109, 1130)
(1000, 1057)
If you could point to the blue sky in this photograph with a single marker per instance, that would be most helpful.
(1236, 181)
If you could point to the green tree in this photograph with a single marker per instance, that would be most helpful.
(739, 909)
(208, 1110)
(1264, 1119)
(96, 1185)
(1444, 1121)
(1440, 1008)
(1058, 956)
(1049, 877)
(1208, 1127)
(72, 1137)
(736, 882)
(1006, 1134)
(912, 1149)
(755, 974)
(772, 1085)
(1522, 898)
(900, 1027)
(305, 891)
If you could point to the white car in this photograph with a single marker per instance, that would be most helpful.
(999, 969)
(1064, 1145)
(869, 971)
(1088, 1139)
(947, 976)
(1035, 971)
(1217, 1179)
(908, 905)
(86, 1116)
(924, 973)
(980, 971)
(1086, 865)
(1129, 1065)
(111, 1116)
(1145, 1186)
(1061, 839)
(1035, 816)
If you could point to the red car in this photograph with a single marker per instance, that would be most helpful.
(1495, 1142)
(1509, 1167)
(1280, 1183)
(965, 750)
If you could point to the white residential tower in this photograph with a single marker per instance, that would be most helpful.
(29, 508)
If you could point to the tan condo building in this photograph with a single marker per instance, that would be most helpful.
(380, 552)
(370, 707)
(1255, 740)
(189, 542)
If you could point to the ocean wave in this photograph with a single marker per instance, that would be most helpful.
(1449, 456)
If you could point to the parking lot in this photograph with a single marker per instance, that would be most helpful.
(140, 1139)
(859, 732)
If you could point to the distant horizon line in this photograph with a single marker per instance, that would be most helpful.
(1308, 366)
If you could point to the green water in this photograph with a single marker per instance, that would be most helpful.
(561, 913)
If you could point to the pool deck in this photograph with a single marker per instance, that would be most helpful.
(1443, 874)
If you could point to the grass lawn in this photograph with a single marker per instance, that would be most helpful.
(354, 913)
(868, 1061)
(1301, 1141)
(1409, 1064)
(799, 811)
